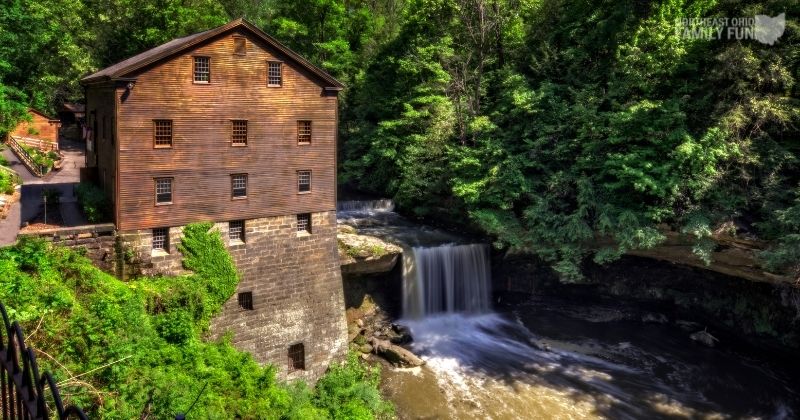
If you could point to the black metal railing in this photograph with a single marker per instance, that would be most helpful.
(24, 394)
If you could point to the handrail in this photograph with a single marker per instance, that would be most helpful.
(37, 143)
(25, 157)
(24, 391)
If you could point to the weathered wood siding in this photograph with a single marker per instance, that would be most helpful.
(101, 147)
(202, 159)
(40, 127)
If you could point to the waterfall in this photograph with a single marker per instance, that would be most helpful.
(448, 278)
(365, 206)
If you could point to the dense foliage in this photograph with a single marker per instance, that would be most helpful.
(558, 125)
(554, 125)
(135, 349)
(94, 202)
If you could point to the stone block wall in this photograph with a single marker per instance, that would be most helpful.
(296, 287)
(96, 241)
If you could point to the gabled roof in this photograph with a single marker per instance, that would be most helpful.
(152, 56)
(41, 114)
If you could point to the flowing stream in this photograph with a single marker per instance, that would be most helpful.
(550, 358)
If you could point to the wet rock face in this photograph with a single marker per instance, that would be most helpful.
(759, 313)
(704, 338)
(371, 331)
(363, 254)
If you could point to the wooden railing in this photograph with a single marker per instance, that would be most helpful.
(25, 394)
(40, 144)
(26, 158)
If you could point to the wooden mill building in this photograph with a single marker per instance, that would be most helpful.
(231, 126)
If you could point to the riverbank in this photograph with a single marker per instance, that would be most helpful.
(549, 358)
(762, 315)
(618, 346)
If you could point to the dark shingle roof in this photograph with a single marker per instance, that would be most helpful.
(126, 67)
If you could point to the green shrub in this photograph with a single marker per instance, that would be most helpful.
(6, 182)
(40, 158)
(149, 332)
(350, 391)
(94, 202)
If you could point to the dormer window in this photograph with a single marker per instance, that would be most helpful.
(239, 45)
(202, 70)
(274, 78)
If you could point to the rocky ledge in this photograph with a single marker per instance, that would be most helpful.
(362, 254)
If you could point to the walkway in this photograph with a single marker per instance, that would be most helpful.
(30, 203)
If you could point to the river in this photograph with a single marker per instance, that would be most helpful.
(546, 357)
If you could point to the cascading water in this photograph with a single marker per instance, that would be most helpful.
(546, 359)
(365, 206)
(448, 278)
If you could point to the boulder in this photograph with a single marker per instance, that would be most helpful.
(364, 254)
(654, 318)
(704, 337)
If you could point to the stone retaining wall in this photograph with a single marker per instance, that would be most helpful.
(98, 242)
(296, 287)
(294, 278)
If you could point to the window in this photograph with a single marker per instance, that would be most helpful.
(297, 357)
(246, 300)
(202, 70)
(304, 223)
(239, 186)
(239, 132)
(274, 77)
(163, 190)
(161, 239)
(236, 230)
(239, 45)
(304, 132)
(162, 133)
(303, 181)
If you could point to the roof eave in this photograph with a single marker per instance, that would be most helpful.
(119, 75)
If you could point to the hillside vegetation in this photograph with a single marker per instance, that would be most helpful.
(549, 123)
(135, 349)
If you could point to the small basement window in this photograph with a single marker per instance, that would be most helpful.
(304, 132)
(161, 239)
(239, 45)
(239, 186)
(202, 70)
(163, 190)
(246, 300)
(297, 357)
(239, 132)
(274, 77)
(304, 181)
(304, 223)
(236, 230)
(162, 133)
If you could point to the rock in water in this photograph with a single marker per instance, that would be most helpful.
(655, 318)
(705, 338)
(395, 354)
(403, 334)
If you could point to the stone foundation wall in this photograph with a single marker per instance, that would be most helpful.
(296, 287)
(97, 242)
